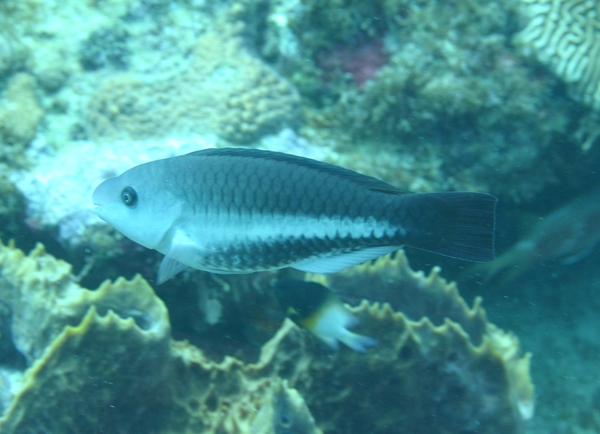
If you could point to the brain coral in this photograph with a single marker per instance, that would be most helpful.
(565, 35)
(111, 349)
(223, 90)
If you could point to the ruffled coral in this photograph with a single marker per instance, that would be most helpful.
(442, 337)
(111, 348)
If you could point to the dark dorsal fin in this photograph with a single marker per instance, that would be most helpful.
(368, 182)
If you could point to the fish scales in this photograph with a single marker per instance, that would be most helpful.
(250, 192)
(243, 210)
(273, 189)
(242, 196)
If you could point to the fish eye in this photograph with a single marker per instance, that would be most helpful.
(285, 420)
(129, 196)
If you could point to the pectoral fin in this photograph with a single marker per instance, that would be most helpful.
(169, 267)
(183, 251)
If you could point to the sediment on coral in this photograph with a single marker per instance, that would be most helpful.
(112, 349)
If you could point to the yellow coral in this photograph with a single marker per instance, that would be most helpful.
(103, 361)
(223, 90)
(20, 112)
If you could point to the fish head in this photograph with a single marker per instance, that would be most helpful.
(137, 206)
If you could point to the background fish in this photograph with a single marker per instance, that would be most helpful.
(317, 309)
(245, 210)
(568, 234)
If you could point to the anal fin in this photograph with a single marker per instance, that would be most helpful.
(183, 252)
(340, 261)
(168, 268)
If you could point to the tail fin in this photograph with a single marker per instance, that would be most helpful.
(457, 224)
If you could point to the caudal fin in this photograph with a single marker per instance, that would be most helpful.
(457, 224)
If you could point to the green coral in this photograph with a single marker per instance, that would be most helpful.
(12, 53)
(341, 20)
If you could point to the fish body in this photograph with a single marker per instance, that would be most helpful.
(317, 309)
(245, 210)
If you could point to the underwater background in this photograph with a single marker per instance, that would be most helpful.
(491, 96)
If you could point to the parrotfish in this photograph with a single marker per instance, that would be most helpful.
(236, 210)
(317, 309)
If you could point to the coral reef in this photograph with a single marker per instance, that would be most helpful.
(111, 348)
(12, 54)
(565, 36)
(11, 204)
(223, 89)
(20, 112)
(49, 40)
(423, 79)
(410, 80)
(435, 304)
(105, 47)
(62, 351)
(425, 94)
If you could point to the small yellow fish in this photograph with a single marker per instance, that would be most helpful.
(317, 309)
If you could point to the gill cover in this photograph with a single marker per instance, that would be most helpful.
(136, 206)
